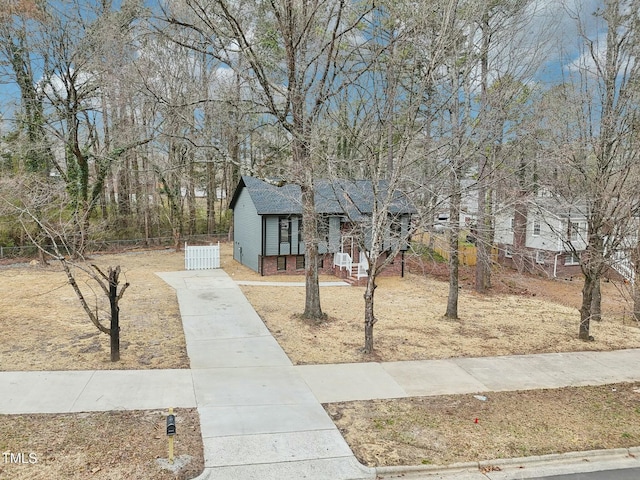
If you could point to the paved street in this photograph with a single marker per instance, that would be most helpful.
(623, 474)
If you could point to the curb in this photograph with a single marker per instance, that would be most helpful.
(428, 469)
(519, 463)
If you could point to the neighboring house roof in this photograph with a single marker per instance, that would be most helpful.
(559, 208)
(353, 198)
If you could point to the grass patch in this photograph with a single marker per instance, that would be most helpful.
(443, 429)
(127, 445)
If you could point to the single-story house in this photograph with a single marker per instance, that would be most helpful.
(267, 225)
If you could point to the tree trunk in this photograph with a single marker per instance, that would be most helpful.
(635, 280)
(520, 232)
(482, 227)
(191, 197)
(369, 317)
(636, 300)
(481, 235)
(303, 168)
(211, 197)
(114, 331)
(596, 301)
(585, 309)
(452, 298)
(124, 200)
(177, 239)
(454, 233)
(312, 308)
(137, 188)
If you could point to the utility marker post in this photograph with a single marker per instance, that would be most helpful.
(171, 431)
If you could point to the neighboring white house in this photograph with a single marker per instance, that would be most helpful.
(468, 207)
(553, 235)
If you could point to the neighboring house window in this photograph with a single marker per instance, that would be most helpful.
(571, 259)
(300, 235)
(282, 264)
(574, 231)
(536, 228)
(508, 253)
(300, 262)
(285, 230)
(540, 257)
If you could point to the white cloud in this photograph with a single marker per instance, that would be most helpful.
(57, 87)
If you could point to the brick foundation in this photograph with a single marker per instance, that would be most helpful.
(270, 265)
(547, 268)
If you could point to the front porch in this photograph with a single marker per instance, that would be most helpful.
(344, 263)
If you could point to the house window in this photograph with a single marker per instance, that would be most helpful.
(300, 235)
(321, 261)
(396, 227)
(508, 253)
(574, 231)
(571, 258)
(540, 257)
(536, 228)
(285, 230)
(282, 264)
(323, 229)
(300, 262)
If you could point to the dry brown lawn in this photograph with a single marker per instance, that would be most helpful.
(543, 318)
(47, 329)
(44, 328)
(100, 446)
(443, 430)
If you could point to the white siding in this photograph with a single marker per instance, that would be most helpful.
(551, 235)
(547, 238)
(503, 230)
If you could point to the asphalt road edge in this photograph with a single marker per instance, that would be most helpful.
(591, 460)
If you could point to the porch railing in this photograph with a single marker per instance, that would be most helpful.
(622, 264)
(342, 260)
(362, 270)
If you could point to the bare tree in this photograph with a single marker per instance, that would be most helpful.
(595, 143)
(289, 52)
(50, 235)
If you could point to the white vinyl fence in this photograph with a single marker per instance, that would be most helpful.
(201, 257)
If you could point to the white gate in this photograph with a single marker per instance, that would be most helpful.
(201, 257)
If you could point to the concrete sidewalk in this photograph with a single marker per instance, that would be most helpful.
(95, 391)
(366, 381)
(258, 283)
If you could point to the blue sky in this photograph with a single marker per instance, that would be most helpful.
(551, 22)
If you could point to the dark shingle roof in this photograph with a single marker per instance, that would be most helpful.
(353, 198)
